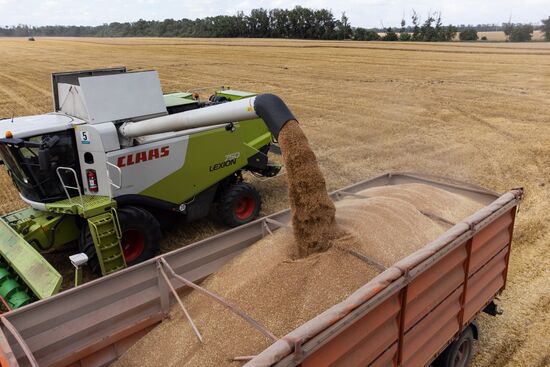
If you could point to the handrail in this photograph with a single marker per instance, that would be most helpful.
(117, 168)
(116, 223)
(65, 186)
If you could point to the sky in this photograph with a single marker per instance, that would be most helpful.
(362, 13)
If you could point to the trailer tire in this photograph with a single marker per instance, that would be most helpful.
(239, 203)
(458, 353)
(141, 236)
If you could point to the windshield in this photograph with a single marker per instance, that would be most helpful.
(34, 183)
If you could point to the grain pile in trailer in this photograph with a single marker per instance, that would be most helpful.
(289, 277)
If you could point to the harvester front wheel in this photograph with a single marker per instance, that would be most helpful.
(239, 204)
(140, 241)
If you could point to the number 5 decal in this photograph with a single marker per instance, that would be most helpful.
(84, 139)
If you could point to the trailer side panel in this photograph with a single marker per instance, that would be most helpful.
(437, 303)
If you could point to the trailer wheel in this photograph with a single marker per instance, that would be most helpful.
(140, 237)
(239, 204)
(460, 352)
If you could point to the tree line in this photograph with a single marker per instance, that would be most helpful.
(514, 32)
(298, 23)
(433, 30)
(429, 30)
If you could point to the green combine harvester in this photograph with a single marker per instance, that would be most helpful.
(115, 163)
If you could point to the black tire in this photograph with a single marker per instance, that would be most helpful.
(135, 223)
(459, 353)
(240, 203)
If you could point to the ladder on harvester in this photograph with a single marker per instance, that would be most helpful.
(102, 218)
(105, 231)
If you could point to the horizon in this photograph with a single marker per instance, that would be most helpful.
(361, 13)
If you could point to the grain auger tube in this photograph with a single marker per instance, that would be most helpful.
(267, 106)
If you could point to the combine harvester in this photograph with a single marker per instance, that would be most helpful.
(92, 176)
(422, 307)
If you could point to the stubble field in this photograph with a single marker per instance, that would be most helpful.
(500, 36)
(474, 112)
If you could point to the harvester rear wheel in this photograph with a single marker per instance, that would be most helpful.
(141, 236)
(239, 204)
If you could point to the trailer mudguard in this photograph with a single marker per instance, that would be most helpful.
(27, 264)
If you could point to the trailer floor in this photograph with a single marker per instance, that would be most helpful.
(476, 112)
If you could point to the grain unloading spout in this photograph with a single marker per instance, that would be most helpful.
(269, 107)
(273, 111)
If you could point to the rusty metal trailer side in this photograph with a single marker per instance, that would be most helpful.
(93, 324)
(408, 315)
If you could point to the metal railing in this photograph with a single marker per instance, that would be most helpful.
(67, 187)
(119, 171)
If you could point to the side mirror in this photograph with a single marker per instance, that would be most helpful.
(44, 159)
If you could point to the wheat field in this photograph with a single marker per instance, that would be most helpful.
(500, 36)
(493, 36)
(474, 112)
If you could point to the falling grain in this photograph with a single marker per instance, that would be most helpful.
(312, 210)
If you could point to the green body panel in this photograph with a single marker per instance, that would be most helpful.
(234, 95)
(206, 161)
(27, 263)
(43, 230)
(89, 206)
(25, 232)
(102, 219)
(58, 225)
(178, 99)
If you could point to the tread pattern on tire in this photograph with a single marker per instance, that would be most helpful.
(226, 206)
